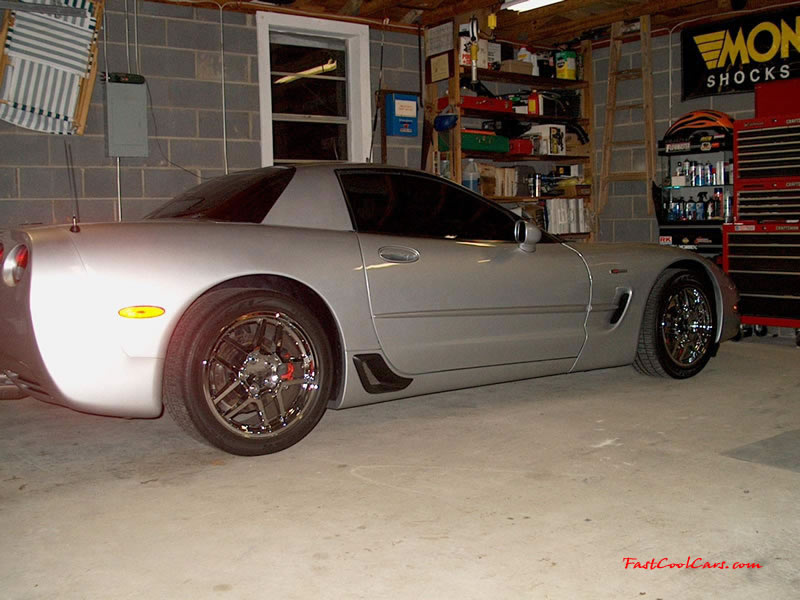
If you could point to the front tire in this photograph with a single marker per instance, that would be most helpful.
(249, 371)
(677, 334)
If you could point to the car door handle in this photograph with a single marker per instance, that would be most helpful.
(398, 254)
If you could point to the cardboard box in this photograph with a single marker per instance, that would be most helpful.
(553, 138)
(569, 171)
(517, 66)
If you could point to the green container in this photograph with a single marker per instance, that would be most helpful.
(478, 142)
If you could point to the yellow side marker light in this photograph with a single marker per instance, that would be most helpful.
(141, 312)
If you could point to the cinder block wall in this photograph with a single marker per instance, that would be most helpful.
(180, 58)
(401, 73)
(626, 218)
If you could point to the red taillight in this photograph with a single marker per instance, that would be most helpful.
(15, 264)
(21, 263)
(2, 253)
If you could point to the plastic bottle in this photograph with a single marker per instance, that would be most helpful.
(471, 176)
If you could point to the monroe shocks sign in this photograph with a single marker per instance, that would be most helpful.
(731, 57)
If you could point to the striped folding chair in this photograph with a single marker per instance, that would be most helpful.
(48, 66)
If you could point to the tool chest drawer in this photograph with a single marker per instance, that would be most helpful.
(764, 262)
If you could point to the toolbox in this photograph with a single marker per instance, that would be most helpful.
(479, 103)
(478, 142)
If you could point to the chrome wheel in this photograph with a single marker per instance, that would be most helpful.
(249, 370)
(678, 332)
(687, 325)
(260, 375)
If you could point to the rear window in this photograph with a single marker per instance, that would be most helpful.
(244, 197)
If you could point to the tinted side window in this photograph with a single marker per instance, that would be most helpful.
(243, 197)
(399, 203)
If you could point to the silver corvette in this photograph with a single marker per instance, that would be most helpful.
(251, 303)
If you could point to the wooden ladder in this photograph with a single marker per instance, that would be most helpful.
(645, 73)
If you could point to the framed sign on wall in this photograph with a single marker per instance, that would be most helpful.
(731, 57)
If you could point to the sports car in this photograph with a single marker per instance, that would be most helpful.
(250, 304)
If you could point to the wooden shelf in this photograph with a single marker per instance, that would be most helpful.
(531, 199)
(581, 116)
(476, 113)
(545, 83)
(501, 157)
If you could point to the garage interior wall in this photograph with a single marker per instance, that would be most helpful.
(626, 218)
(180, 59)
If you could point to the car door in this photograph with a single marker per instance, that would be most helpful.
(448, 286)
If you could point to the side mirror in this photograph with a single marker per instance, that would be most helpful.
(527, 235)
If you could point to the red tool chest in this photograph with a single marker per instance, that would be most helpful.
(761, 250)
(763, 259)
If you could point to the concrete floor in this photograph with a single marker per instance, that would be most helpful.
(534, 489)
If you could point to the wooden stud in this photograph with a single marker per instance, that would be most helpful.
(615, 50)
(649, 112)
(587, 113)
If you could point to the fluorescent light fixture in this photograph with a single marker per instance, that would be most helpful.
(525, 5)
(327, 67)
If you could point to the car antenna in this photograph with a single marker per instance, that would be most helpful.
(73, 188)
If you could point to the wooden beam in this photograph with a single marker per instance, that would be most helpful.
(351, 8)
(459, 7)
(411, 16)
(376, 7)
(247, 7)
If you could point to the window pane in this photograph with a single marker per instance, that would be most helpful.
(417, 205)
(292, 53)
(309, 96)
(309, 141)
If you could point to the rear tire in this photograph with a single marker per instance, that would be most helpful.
(678, 327)
(249, 371)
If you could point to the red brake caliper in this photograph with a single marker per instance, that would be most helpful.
(289, 371)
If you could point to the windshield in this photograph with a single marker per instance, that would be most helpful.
(244, 197)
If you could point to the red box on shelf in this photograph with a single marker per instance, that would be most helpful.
(479, 103)
(520, 146)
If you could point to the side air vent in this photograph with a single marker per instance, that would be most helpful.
(620, 310)
(376, 376)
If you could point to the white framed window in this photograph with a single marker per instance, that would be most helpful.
(314, 89)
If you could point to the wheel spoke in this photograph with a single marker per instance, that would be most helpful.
(237, 408)
(260, 331)
(226, 391)
(277, 338)
(230, 341)
(262, 414)
(225, 364)
(279, 403)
